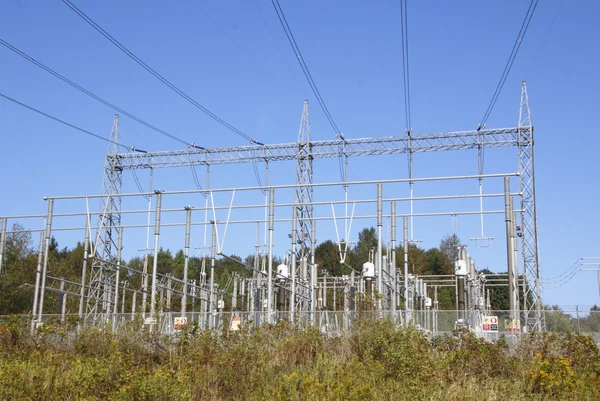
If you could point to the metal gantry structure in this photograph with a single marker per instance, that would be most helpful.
(304, 151)
(298, 288)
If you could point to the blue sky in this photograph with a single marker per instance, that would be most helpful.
(233, 58)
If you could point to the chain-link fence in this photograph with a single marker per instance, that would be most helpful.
(490, 324)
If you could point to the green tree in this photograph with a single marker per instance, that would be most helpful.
(449, 246)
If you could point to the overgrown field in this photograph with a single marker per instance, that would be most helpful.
(376, 362)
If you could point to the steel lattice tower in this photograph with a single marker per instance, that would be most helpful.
(304, 152)
(304, 180)
(533, 302)
(101, 288)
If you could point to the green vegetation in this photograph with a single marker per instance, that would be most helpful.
(376, 361)
(21, 261)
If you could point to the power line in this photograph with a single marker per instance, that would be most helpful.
(313, 86)
(511, 60)
(289, 70)
(158, 76)
(405, 63)
(139, 186)
(305, 70)
(131, 148)
(87, 92)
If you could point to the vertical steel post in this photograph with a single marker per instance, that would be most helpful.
(38, 273)
(515, 262)
(213, 255)
(313, 271)
(118, 275)
(234, 293)
(435, 310)
(186, 255)
(86, 250)
(63, 300)
(407, 316)
(145, 286)
(379, 246)
(133, 304)
(293, 262)
(394, 283)
(270, 272)
(123, 300)
(155, 259)
(2, 242)
(46, 252)
(509, 247)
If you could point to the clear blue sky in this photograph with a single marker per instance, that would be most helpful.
(238, 64)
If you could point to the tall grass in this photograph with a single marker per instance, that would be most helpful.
(377, 361)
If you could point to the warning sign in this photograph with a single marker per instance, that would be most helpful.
(490, 324)
(178, 322)
(512, 326)
(235, 323)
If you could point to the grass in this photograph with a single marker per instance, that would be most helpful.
(377, 361)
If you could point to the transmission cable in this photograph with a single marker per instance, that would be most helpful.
(139, 185)
(510, 61)
(90, 94)
(305, 70)
(158, 76)
(131, 148)
(405, 63)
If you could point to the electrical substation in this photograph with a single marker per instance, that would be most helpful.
(288, 285)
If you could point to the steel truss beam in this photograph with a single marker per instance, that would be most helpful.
(328, 149)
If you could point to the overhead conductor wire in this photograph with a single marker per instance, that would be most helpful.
(407, 108)
(509, 63)
(158, 76)
(131, 148)
(343, 156)
(311, 82)
(511, 59)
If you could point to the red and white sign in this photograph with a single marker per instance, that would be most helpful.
(489, 324)
(178, 322)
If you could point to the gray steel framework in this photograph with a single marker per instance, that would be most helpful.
(304, 179)
(102, 275)
(533, 300)
(304, 151)
(324, 149)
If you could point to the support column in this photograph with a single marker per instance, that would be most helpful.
(2, 242)
(46, 251)
(508, 214)
(407, 315)
(293, 264)
(313, 271)
(155, 260)
(145, 287)
(213, 254)
(186, 255)
(379, 247)
(86, 249)
(117, 276)
(270, 271)
(38, 273)
(394, 282)
(63, 300)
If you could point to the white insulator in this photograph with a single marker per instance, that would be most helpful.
(283, 271)
(460, 268)
(368, 270)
